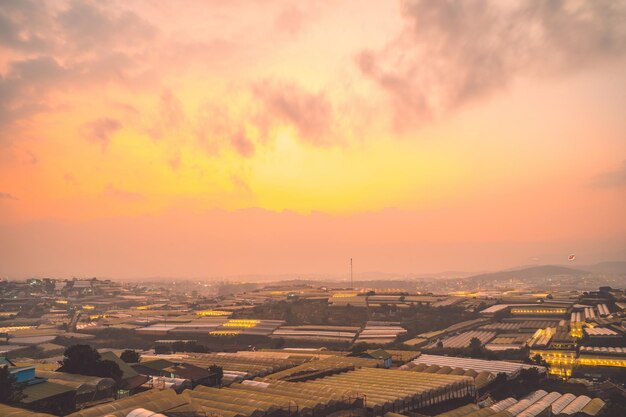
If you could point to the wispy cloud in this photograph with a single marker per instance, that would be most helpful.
(453, 52)
(611, 179)
(101, 130)
(7, 196)
(310, 113)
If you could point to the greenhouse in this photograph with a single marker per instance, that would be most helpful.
(258, 398)
(154, 400)
(538, 403)
(8, 411)
(398, 391)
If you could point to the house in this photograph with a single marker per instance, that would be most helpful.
(380, 355)
(131, 381)
(152, 367)
(88, 388)
(45, 396)
(41, 394)
(164, 368)
(193, 373)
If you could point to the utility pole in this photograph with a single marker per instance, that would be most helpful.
(351, 276)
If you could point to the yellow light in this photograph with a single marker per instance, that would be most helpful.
(344, 295)
(224, 332)
(213, 313)
(88, 307)
(13, 328)
(241, 323)
(61, 301)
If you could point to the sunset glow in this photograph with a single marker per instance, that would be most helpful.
(219, 138)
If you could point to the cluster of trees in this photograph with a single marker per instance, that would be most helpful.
(527, 381)
(85, 360)
(10, 389)
(130, 356)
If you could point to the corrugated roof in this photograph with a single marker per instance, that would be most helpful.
(43, 390)
(188, 371)
(8, 411)
(156, 364)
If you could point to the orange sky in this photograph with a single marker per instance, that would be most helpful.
(218, 138)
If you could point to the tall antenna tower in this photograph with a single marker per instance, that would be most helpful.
(351, 277)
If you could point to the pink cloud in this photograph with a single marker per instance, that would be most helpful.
(243, 145)
(101, 130)
(450, 53)
(310, 113)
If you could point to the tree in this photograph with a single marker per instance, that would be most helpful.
(219, 373)
(130, 356)
(500, 379)
(10, 389)
(475, 344)
(108, 369)
(530, 375)
(359, 348)
(80, 359)
(476, 348)
(85, 360)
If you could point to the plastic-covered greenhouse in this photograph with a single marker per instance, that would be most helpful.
(398, 391)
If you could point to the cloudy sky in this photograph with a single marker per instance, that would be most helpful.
(216, 138)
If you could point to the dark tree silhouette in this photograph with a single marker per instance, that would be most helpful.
(80, 359)
(108, 369)
(85, 360)
(10, 389)
(218, 371)
(475, 343)
(359, 348)
(130, 356)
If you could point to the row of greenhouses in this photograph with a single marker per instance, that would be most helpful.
(398, 391)
(538, 403)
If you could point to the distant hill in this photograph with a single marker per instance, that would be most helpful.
(532, 272)
(616, 268)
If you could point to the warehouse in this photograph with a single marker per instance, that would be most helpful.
(88, 388)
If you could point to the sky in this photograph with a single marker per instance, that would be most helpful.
(222, 138)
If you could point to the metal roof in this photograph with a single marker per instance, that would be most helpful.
(44, 390)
